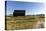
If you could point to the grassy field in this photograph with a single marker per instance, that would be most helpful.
(24, 22)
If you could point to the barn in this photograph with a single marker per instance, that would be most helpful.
(19, 13)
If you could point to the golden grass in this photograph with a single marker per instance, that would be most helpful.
(24, 22)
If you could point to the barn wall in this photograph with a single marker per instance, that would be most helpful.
(19, 13)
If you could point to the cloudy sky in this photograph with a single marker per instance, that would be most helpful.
(30, 7)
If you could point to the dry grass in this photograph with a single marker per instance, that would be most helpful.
(24, 22)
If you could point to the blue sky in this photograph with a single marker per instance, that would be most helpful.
(30, 7)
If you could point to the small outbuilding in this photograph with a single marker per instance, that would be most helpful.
(19, 13)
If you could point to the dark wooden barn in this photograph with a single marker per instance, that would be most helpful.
(19, 13)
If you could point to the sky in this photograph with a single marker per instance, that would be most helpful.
(31, 8)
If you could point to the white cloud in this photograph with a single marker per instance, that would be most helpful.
(30, 12)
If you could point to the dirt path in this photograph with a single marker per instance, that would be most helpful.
(39, 24)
